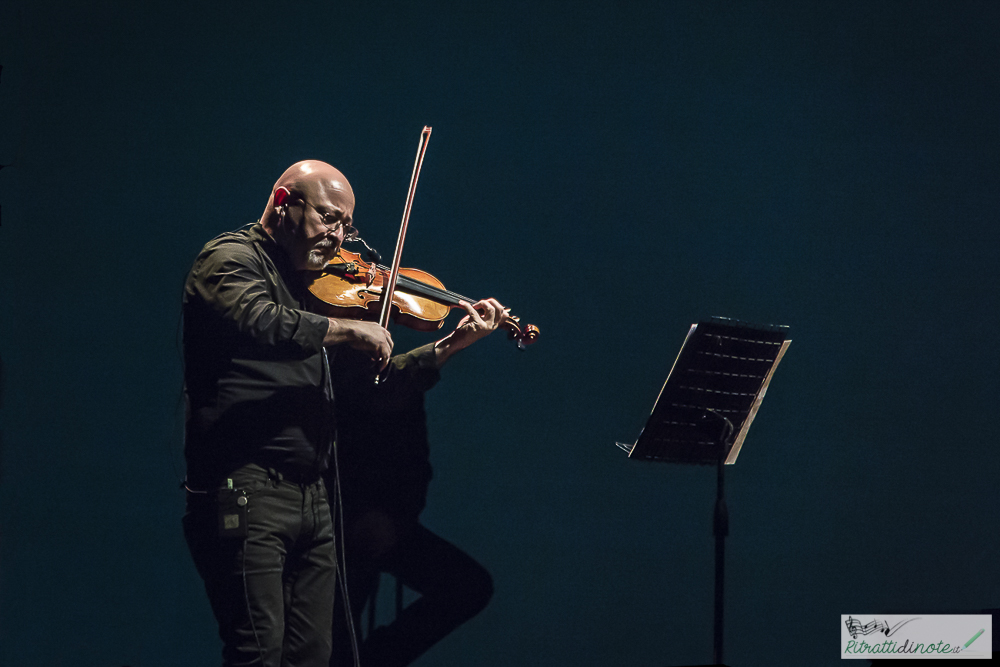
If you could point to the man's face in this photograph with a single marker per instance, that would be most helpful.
(314, 225)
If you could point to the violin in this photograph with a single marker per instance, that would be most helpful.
(348, 287)
(352, 288)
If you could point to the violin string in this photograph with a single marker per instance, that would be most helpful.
(429, 290)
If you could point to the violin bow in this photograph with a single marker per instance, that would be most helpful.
(390, 287)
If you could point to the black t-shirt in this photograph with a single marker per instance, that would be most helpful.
(254, 366)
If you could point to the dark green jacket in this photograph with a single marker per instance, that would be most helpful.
(253, 363)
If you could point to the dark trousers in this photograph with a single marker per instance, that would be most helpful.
(452, 586)
(272, 590)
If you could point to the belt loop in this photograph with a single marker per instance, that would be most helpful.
(274, 475)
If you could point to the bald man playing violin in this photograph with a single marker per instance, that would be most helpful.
(258, 432)
(260, 419)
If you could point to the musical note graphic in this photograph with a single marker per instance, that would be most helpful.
(855, 628)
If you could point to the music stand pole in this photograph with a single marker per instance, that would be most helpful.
(724, 368)
(720, 529)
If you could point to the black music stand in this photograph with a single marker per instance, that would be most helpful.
(705, 409)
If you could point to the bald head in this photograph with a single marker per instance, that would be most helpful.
(302, 213)
(310, 177)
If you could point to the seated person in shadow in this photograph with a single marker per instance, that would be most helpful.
(384, 467)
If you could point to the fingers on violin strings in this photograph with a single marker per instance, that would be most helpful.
(485, 310)
(494, 313)
(501, 312)
(474, 313)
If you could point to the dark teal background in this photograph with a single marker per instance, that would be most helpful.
(613, 171)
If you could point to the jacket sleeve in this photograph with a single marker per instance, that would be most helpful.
(231, 280)
(403, 383)
(415, 370)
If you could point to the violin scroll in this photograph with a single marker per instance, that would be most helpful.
(524, 336)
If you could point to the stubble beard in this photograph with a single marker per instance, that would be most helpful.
(317, 257)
